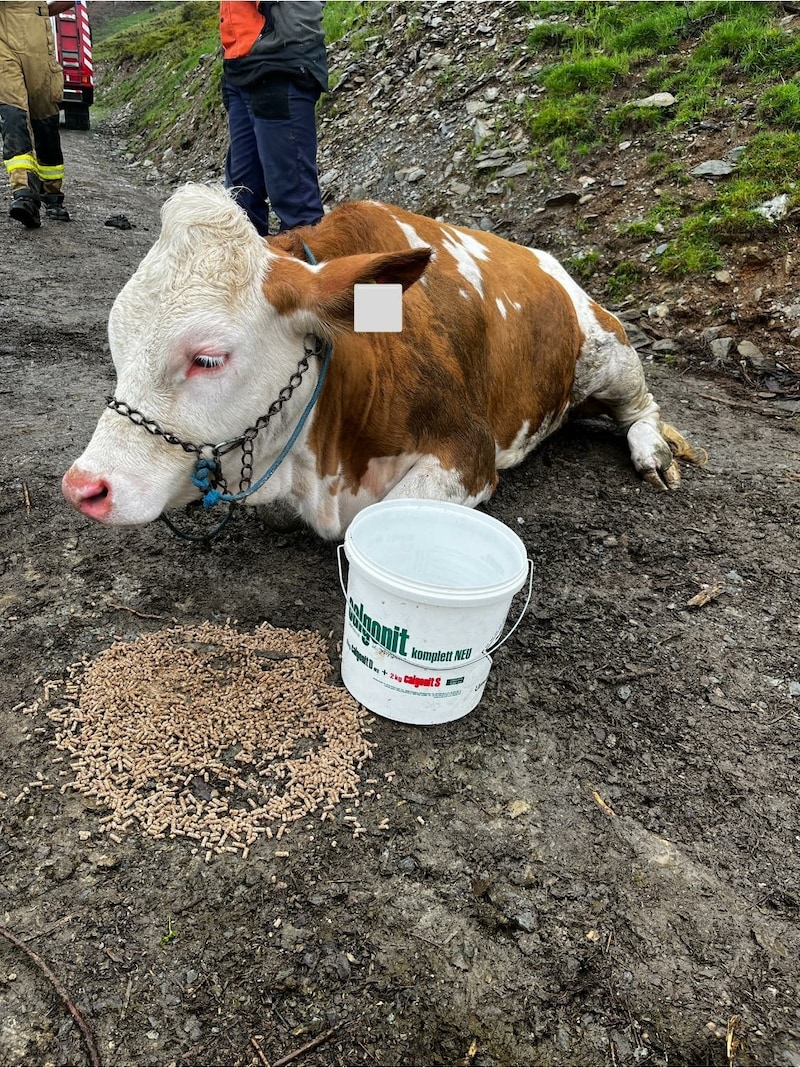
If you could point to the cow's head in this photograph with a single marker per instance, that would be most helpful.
(204, 337)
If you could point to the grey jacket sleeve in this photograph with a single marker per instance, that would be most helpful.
(291, 22)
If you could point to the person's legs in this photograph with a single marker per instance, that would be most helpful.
(44, 103)
(285, 127)
(243, 172)
(44, 80)
(18, 153)
(51, 165)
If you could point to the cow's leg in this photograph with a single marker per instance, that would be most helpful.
(429, 480)
(616, 384)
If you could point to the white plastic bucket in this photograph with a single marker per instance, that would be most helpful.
(428, 592)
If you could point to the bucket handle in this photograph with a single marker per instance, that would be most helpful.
(486, 652)
(522, 613)
(339, 549)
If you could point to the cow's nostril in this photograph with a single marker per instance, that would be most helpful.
(91, 496)
(99, 495)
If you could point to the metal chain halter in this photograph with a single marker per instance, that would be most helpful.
(207, 475)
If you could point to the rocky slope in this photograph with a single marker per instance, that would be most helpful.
(420, 116)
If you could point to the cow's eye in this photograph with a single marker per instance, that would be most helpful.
(207, 362)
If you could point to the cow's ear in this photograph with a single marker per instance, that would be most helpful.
(337, 278)
(327, 292)
(405, 267)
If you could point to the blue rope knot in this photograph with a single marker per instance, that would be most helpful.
(211, 497)
(205, 476)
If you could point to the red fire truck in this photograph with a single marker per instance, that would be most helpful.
(74, 52)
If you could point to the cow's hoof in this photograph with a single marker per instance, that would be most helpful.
(665, 479)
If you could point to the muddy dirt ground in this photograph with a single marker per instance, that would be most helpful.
(599, 865)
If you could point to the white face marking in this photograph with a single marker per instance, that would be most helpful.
(501, 307)
(466, 251)
(464, 294)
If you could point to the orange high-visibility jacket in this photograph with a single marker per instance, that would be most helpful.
(240, 24)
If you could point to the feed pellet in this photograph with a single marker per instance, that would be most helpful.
(211, 733)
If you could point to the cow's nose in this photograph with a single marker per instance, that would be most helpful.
(88, 493)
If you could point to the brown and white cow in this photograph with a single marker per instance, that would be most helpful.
(499, 346)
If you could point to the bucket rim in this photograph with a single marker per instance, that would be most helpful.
(433, 593)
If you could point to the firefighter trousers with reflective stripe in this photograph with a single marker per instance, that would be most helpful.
(31, 86)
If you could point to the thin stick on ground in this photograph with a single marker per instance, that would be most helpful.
(255, 1044)
(730, 403)
(318, 1041)
(86, 1031)
(133, 611)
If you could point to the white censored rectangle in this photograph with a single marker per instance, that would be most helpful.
(378, 308)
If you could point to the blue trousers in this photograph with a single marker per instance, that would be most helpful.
(272, 154)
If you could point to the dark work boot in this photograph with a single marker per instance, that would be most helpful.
(25, 208)
(54, 206)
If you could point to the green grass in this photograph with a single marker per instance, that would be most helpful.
(629, 119)
(773, 158)
(658, 30)
(715, 57)
(590, 48)
(572, 118)
(769, 166)
(589, 75)
(174, 34)
(583, 266)
(660, 215)
(692, 252)
(169, 55)
(102, 29)
(756, 47)
(361, 19)
(341, 17)
(623, 279)
(780, 105)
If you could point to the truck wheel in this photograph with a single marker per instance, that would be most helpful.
(76, 118)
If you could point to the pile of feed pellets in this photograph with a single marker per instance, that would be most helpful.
(211, 733)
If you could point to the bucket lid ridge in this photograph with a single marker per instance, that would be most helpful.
(437, 552)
